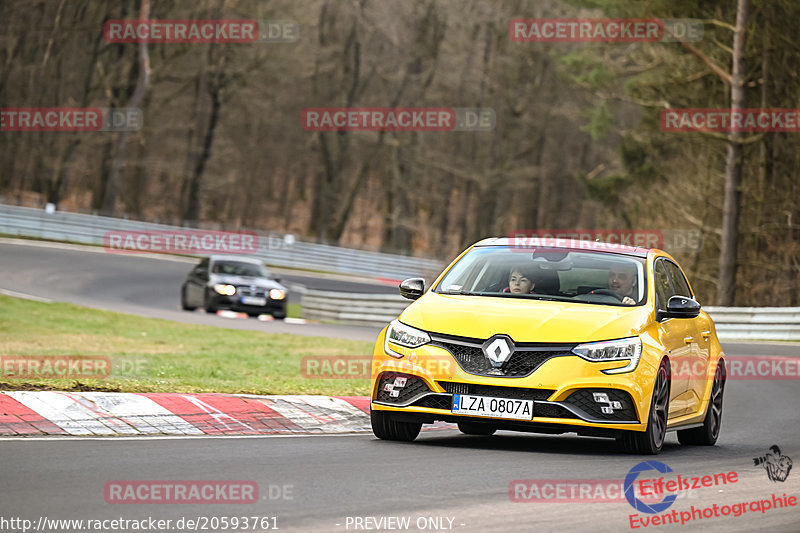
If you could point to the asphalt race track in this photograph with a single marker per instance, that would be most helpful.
(444, 481)
(149, 285)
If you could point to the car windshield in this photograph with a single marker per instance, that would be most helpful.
(237, 268)
(583, 276)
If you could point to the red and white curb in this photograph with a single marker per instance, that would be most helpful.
(111, 413)
(227, 313)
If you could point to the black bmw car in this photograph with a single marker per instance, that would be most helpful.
(235, 283)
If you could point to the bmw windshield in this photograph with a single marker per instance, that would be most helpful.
(581, 276)
(236, 268)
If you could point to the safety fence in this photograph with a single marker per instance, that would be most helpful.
(274, 249)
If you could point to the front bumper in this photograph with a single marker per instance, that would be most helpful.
(275, 307)
(561, 385)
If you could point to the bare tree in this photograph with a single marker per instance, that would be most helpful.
(726, 289)
(112, 187)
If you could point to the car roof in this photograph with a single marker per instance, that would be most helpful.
(239, 258)
(566, 244)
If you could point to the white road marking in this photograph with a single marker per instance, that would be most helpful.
(215, 413)
(24, 296)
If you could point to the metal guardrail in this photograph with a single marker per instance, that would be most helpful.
(273, 249)
(352, 308)
(732, 323)
(756, 323)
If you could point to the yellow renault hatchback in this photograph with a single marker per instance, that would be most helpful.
(552, 337)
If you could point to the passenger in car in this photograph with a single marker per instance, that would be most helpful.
(521, 280)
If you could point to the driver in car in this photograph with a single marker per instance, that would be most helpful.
(622, 280)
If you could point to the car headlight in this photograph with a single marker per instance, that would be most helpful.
(277, 294)
(227, 290)
(401, 335)
(629, 349)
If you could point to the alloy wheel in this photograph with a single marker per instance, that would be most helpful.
(661, 402)
(716, 402)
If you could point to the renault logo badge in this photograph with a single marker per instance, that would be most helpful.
(498, 350)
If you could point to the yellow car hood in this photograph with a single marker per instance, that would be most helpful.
(524, 320)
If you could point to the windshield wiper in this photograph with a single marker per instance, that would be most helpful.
(550, 298)
(462, 293)
(511, 295)
(546, 297)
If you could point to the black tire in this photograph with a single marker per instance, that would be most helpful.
(184, 306)
(707, 434)
(384, 427)
(207, 305)
(474, 428)
(651, 441)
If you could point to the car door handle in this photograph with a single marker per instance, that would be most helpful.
(688, 340)
(706, 334)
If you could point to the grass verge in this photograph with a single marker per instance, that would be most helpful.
(154, 355)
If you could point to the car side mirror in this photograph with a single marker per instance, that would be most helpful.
(682, 307)
(412, 288)
(276, 280)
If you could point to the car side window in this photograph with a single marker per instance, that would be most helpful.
(663, 288)
(678, 280)
(201, 268)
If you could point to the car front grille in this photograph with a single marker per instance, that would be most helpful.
(527, 357)
(436, 401)
(249, 290)
(413, 387)
(583, 399)
(552, 410)
(517, 393)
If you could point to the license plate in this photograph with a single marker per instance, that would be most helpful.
(465, 404)
(253, 300)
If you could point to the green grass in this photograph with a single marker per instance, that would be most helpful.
(294, 310)
(153, 355)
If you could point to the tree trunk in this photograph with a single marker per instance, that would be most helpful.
(192, 211)
(112, 188)
(726, 289)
